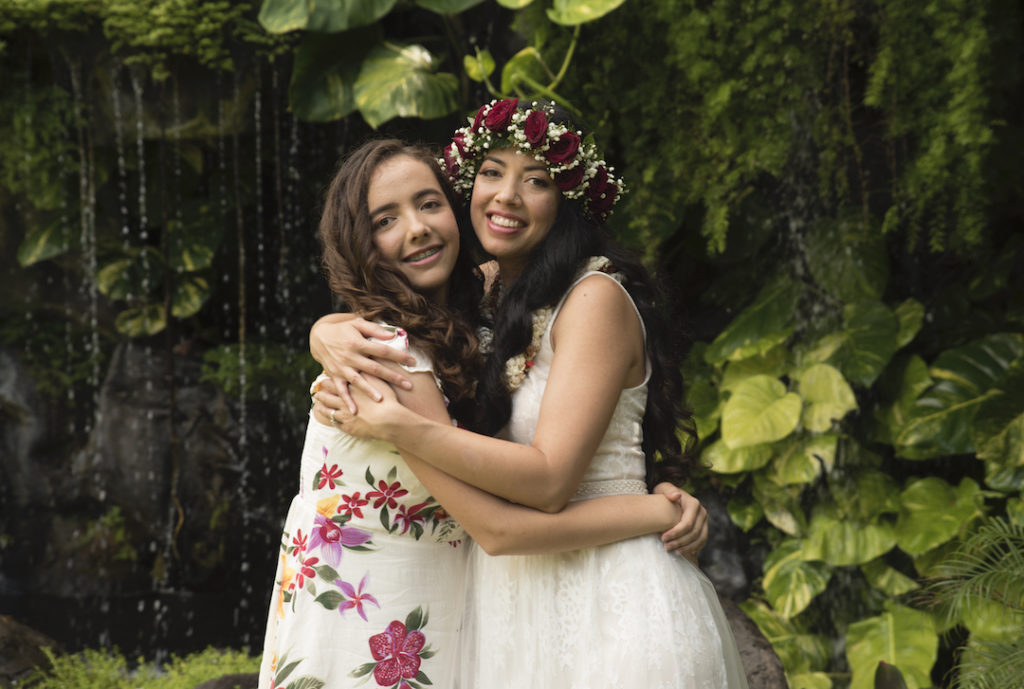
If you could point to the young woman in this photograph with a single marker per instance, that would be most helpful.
(370, 583)
(582, 384)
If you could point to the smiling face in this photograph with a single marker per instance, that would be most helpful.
(414, 227)
(513, 207)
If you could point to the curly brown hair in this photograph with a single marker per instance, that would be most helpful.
(377, 291)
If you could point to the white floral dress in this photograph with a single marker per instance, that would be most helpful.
(369, 586)
(626, 615)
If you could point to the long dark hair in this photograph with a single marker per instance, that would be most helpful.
(378, 291)
(552, 268)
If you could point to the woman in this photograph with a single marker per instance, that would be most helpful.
(582, 384)
(369, 585)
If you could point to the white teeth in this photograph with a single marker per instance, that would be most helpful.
(423, 254)
(502, 221)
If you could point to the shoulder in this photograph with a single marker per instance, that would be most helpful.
(601, 293)
(598, 307)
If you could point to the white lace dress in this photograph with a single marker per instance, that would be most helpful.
(626, 615)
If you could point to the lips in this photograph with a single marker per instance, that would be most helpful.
(423, 254)
(505, 223)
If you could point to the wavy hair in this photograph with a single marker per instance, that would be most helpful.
(552, 268)
(377, 291)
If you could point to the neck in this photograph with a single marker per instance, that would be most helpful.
(511, 269)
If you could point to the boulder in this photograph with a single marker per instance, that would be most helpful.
(21, 651)
(763, 667)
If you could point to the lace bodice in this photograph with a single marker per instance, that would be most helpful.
(618, 464)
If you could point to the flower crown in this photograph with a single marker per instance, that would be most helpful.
(574, 163)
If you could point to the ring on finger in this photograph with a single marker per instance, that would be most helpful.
(334, 422)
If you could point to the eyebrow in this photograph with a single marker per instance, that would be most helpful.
(415, 197)
(529, 168)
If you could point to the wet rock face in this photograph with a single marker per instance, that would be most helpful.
(21, 651)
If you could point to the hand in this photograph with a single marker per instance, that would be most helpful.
(338, 342)
(690, 534)
(330, 409)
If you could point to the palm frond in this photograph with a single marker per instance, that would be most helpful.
(991, 665)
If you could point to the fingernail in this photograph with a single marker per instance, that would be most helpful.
(377, 397)
(407, 385)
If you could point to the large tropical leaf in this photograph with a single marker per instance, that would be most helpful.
(998, 429)
(759, 411)
(190, 293)
(144, 320)
(910, 315)
(478, 66)
(704, 400)
(781, 505)
(790, 581)
(887, 579)
(774, 363)
(798, 650)
(900, 636)
(192, 244)
(803, 460)
(848, 260)
(841, 542)
(724, 460)
(447, 6)
(572, 12)
(744, 513)
(828, 397)
(522, 68)
(399, 81)
(47, 241)
(866, 343)
(933, 512)
(514, 4)
(904, 380)
(324, 16)
(940, 421)
(865, 494)
(325, 73)
(759, 327)
(809, 680)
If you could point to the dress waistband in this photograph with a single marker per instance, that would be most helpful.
(617, 486)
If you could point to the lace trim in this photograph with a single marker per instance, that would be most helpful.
(617, 486)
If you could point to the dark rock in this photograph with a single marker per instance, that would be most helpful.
(763, 668)
(721, 558)
(21, 651)
(240, 681)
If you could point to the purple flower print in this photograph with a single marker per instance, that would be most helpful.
(355, 598)
(397, 653)
(331, 537)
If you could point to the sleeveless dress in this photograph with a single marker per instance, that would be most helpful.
(369, 587)
(627, 615)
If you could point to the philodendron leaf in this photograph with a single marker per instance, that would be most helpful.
(322, 16)
(900, 636)
(998, 429)
(144, 320)
(847, 259)
(772, 363)
(781, 505)
(514, 4)
(887, 579)
(759, 327)
(933, 512)
(325, 73)
(573, 12)
(867, 342)
(479, 66)
(744, 513)
(526, 65)
(866, 495)
(190, 293)
(828, 397)
(798, 650)
(45, 242)
(724, 460)
(192, 244)
(399, 81)
(910, 315)
(940, 421)
(809, 680)
(791, 582)
(903, 382)
(846, 541)
(803, 460)
(448, 6)
(759, 411)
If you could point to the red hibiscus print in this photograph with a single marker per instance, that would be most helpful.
(567, 179)
(299, 541)
(536, 128)
(397, 653)
(500, 115)
(564, 149)
(352, 505)
(410, 516)
(387, 493)
(306, 571)
(329, 476)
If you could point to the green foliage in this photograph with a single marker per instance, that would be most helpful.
(264, 367)
(93, 669)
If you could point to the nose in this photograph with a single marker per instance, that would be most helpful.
(418, 227)
(508, 192)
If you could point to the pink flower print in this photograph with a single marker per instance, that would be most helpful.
(331, 537)
(386, 494)
(306, 571)
(300, 542)
(355, 598)
(329, 476)
(352, 505)
(409, 517)
(397, 654)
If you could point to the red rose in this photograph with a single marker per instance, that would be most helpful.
(459, 139)
(500, 116)
(564, 149)
(568, 179)
(603, 205)
(536, 128)
(598, 182)
(478, 120)
(451, 164)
